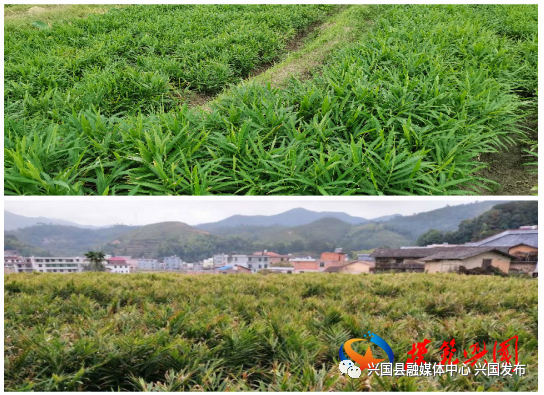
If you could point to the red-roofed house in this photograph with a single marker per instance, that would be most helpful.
(274, 257)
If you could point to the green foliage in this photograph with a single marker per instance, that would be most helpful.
(194, 244)
(64, 240)
(138, 59)
(500, 217)
(166, 332)
(445, 219)
(407, 110)
(96, 259)
(11, 242)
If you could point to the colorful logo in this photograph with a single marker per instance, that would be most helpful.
(365, 361)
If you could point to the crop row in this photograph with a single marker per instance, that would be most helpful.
(97, 331)
(142, 58)
(409, 109)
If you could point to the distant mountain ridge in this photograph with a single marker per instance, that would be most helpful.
(64, 240)
(198, 242)
(294, 217)
(14, 221)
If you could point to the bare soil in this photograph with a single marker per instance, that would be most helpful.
(509, 169)
(36, 10)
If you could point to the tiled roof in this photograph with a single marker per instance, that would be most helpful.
(334, 269)
(464, 253)
(422, 252)
(416, 252)
(510, 238)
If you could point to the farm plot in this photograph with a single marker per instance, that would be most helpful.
(100, 332)
(142, 58)
(413, 107)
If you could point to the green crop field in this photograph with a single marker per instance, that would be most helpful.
(99, 332)
(412, 104)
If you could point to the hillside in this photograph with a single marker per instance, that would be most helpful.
(164, 239)
(193, 244)
(67, 240)
(444, 219)
(294, 217)
(11, 242)
(325, 233)
(501, 217)
(15, 221)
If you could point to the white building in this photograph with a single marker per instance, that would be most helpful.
(207, 263)
(254, 263)
(118, 268)
(148, 264)
(14, 263)
(131, 262)
(57, 264)
(173, 262)
(220, 260)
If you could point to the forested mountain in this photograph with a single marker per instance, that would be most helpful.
(67, 240)
(192, 243)
(445, 219)
(294, 217)
(500, 217)
(15, 221)
(164, 239)
(11, 242)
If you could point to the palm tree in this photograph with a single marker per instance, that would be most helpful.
(96, 258)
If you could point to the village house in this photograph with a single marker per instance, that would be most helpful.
(356, 267)
(220, 260)
(121, 268)
(400, 259)
(148, 264)
(450, 260)
(522, 243)
(365, 257)
(131, 262)
(13, 262)
(207, 264)
(327, 259)
(304, 264)
(116, 259)
(72, 264)
(172, 262)
(441, 259)
(274, 258)
(525, 235)
(254, 263)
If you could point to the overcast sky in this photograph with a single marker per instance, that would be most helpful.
(136, 211)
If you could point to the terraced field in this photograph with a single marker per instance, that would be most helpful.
(167, 332)
(413, 101)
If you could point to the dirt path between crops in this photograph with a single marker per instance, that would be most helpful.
(511, 170)
(305, 52)
(197, 99)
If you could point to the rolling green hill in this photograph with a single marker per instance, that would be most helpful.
(500, 217)
(193, 244)
(295, 217)
(62, 240)
(11, 242)
(444, 219)
(163, 239)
